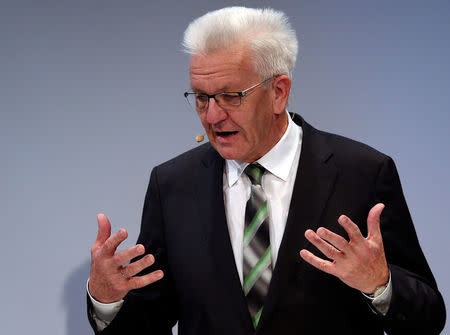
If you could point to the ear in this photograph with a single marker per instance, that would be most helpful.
(282, 88)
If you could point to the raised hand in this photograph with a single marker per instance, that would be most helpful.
(360, 263)
(110, 280)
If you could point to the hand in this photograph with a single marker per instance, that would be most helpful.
(110, 281)
(359, 263)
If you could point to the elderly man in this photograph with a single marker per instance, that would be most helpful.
(273, 227)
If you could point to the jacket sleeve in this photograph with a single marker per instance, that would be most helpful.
(416, 306)
(151, 310)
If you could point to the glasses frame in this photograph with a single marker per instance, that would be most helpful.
(241, 94)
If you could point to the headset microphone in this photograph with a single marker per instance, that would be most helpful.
(199, 138)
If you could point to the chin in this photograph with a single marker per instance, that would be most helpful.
(227, 154)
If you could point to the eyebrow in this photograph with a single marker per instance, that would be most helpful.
(223, 89)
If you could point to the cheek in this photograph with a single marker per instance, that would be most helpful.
(209, 133)
(203, 122)
(256, 127)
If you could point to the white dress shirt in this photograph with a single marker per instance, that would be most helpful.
(281, 164)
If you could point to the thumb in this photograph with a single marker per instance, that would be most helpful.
(373, 221)
(104, 230)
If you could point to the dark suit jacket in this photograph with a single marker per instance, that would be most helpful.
(184, 226)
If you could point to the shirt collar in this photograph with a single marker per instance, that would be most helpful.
(277, 161)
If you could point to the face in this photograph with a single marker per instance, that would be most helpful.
(246, 132)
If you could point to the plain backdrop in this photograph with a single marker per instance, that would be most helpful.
(91, 99)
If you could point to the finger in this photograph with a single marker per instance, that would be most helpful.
(351, 228)
(127, 255)
(338, 241)
(141, 281)
(111, 244)
(134, 268)
(319, 263)
(103, 233)
(326, 248)
(373, 221)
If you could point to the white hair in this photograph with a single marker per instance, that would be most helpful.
(265, 32)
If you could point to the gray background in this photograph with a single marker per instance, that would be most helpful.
(91, 99)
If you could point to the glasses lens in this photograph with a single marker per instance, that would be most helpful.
(201, 101)
(196, 101)
(228, 99)
(225, 100)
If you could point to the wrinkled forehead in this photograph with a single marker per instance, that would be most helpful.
(236, 57)
(226, 68)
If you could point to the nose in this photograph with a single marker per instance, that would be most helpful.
(215, 113)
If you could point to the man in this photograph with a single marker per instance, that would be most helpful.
(273, 227)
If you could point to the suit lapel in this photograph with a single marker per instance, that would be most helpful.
(314, 182)
(219, 244)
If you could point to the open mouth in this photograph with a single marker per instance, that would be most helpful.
(225, 133)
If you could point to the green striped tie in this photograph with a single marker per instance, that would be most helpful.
(257, 257)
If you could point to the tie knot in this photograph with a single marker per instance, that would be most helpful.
(255, 172)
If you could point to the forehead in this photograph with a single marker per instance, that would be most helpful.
(221, 71)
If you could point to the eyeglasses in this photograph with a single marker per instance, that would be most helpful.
(227, 100)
